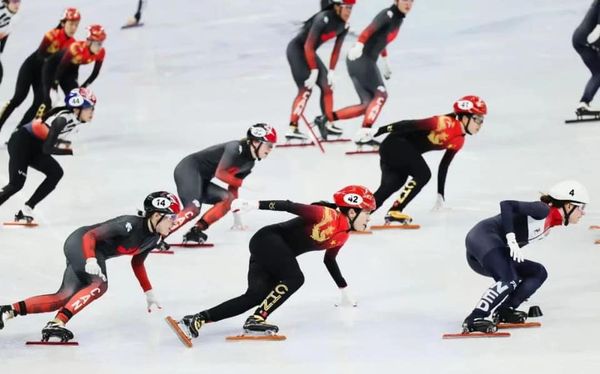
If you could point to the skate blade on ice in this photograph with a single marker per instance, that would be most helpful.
(246, 336)
(399, 226)
(523, 325)
(174, 325)
(21, 224)
(471, 335)
(50, 343)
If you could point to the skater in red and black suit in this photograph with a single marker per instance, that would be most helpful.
(229, 162)
(401, 152)
(273, 272)
(366, 77)
(63, 68)
(8, 9)
(307, 68)
(33, 145)
(495, 250)
(87, 249)
(30, 73)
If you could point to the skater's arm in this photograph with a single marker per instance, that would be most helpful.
(226, 170)
(335, 53)
(137, 264)
(333, 268)
(509, 208)
(42, 51)
(402, 127)
(443, 169)
(52, 143)
(311, 41)
(311, 213)
(64, 63)
(94, 74)
(3, 43)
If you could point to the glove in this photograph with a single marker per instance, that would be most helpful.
(331, 78)
(516, 252)
(238, 225)
(312, 79)
(356, 51)
(594, 35)
(387, 71)
(151, 300)
(54, 97)
(439, 203)
(92, 268)
(243, 206)
(346, 299)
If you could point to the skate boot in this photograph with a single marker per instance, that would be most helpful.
(333, 129)
(195, 235)
(583, 108)
(24, 215)
(396, 216)
(364, 136)
(509, 315)
(6, 313)
(295, 134)
(193, 323)
(56, 328)
(478, 325)
(256, 324)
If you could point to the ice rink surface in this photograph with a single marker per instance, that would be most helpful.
(200, 72)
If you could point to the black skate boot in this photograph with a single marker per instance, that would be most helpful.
(509, 315)
(256, 324)
(6, 313)
(195, 235)
(193, 323)
(320, 122)
(24, 215)
(56, 329)
(479, 325)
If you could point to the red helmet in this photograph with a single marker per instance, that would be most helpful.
(71, 14)
(345, 2)
(96, 33)
(263, 133)
(470, 104)
(355, 197)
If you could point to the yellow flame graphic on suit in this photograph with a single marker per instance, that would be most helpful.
(322, 231)
(440, 135)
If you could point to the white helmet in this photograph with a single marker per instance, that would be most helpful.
(570, 190)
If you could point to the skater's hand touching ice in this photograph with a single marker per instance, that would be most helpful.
(151, 300)
(346, 299)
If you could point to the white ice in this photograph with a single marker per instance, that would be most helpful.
(200, 72)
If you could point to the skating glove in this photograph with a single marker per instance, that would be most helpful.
(356, 51)
(516, 252)
(331, 78)
(386, 69)
(238, 225)
(243, 206)
(151, 300)
(594, 35)
(312, 79)
(439, 203)
(346, 299)
(92, 268)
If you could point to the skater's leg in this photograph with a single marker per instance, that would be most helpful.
(532, 275)
(54, 173)
(19, 150)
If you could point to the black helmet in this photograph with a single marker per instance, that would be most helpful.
(161, 202)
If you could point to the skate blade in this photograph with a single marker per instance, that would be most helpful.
(390, 226)
(338, 140)
(51, 343)
(370, 152)
(239, 337)
(174, 325)
(523, 325)
(126, 26)
(157, 252)
(22, 224)
(471, 335)
(192, 245)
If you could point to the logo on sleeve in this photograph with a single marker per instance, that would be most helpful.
(390, 14)
(326, 19)
(128, 227)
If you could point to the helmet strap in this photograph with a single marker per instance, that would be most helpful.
(567, 215)
(351, 220)
(256, 149)
(466, 127)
